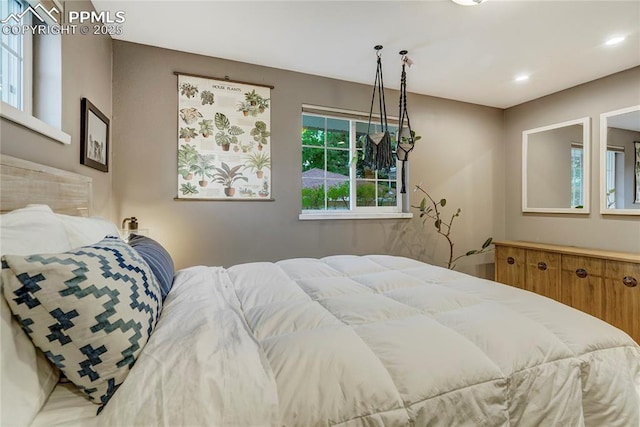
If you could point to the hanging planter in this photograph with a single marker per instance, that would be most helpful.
(378, 154)
(406, 137)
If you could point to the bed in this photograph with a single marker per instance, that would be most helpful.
(344, 340)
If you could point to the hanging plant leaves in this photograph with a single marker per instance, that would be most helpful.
(438, 223)
(423, 204)
(443, 202)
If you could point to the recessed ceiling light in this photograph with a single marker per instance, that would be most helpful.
(469, 2)
(615, 40)
(522, 78)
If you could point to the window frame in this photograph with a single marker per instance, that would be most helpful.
(354, 211)
(24, 115)
(24, 55)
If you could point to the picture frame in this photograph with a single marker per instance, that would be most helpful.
(94, 135)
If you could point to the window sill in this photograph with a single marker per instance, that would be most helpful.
(306, 216)
(19, 117)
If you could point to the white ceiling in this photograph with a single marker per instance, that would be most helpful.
(466, 53)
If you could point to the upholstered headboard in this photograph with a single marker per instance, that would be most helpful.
(23, 183)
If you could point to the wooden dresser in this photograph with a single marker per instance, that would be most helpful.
(605, 284)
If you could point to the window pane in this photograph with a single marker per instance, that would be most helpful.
(338, 163)
(312, 158)
(11, 60)
(390, 174)
(577, 185)
(11, 79)
(337, 194)
(364, 172)
(392, 133)
(338, 133)
(361, 131)
(365, 193)
(313, 197)
(313, 130)
(387, 194)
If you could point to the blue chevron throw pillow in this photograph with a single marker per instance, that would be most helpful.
(90, 310)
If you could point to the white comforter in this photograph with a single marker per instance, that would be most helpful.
(373, 341)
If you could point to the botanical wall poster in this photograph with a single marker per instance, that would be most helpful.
(223, 139)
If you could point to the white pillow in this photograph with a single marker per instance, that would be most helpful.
(27, 376)
(34, 229)
(83, 231)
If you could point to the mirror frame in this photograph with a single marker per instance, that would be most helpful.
(586, 144)
(603, 162)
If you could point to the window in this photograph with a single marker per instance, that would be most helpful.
(335, 183)
(614, 183)
(577, 179)
(16, 60)
(31, 66)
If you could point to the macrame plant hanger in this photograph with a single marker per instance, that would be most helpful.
(378, 154)
(405, 137)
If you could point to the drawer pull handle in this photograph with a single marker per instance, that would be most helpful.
(630, 281)
(511, 260)
(542, 266)
(581, 273)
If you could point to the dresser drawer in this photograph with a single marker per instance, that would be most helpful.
(582, 283)
(622, 296)
(510, 263)
(580, 265)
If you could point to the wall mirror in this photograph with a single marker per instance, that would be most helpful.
(620, 161)
(555, 168)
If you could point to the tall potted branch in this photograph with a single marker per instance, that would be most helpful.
(430, 210)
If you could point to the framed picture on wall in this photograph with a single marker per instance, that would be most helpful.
(94, 134)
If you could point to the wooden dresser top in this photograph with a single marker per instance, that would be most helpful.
(572, 250)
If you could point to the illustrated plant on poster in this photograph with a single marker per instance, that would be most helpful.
(223, 139)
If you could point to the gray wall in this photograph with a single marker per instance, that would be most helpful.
(612, 232)
(460, 158)
(86, 72)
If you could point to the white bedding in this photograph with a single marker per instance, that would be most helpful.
(372, 341)
(66, 406)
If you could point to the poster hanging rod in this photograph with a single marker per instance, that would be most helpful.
(224, 79)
